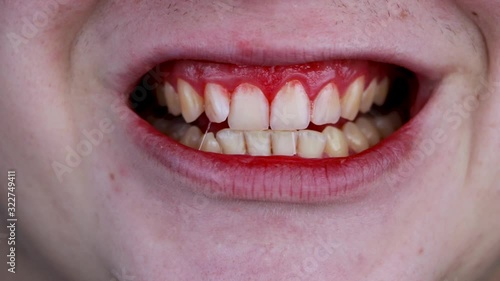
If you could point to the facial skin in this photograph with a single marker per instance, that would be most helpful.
(119, 214)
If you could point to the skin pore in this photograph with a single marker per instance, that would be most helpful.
(119, 213)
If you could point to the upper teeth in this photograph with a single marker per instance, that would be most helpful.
(191, 102)
(352, 99)
(247, 107)
(381, 94)
(326, 108)
(290, 109)
(216, 102)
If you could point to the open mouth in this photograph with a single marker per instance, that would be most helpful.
(307, 119)
(317, 110)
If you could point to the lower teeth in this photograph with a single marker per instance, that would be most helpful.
(332, 142)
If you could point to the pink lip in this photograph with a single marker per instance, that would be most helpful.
(280, 179)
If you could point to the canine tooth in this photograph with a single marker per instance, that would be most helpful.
(369, 130)
(291, 108)
(311, 144)
(351, 100)
(191, 102)
(387, 124)
(210, 144)
(258, 142)
(336, 142)
(192, 137)
(249, 109)
(170, 98)
(326, 108)
(368, 96)
(357, 141)
(216, 102)
(382, 91)
(284, 143)
(231, 142)
(161, 96)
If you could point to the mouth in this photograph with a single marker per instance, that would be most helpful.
(311, 132)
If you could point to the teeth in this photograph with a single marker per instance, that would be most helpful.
(311, 144)
(176, 130)
(336, 142)
(326, 109)
(191, 102)
(357, 141)
(351, 100)
(249, 109)
(216, 103)
(210, 144)
(284, 143)
(232, 142)
(170, 98)
(291, 109)
(249, 117)
(192, 137)
(388, 124)
(161, 96)
(258, 143)
(161, 125)
(382, 91)
(368, 96)
(369, 130)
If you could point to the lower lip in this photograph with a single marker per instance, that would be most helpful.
(278, 179)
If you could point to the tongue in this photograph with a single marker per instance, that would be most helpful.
(313, 76)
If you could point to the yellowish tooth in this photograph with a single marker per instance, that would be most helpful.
(258, 142)
(382, 91)
(368, 96)
(369, 130)
(357, 141)
(210, 144)
(291, 108)
(176, 130)
(216, 102)
(249, 109)
(161, 125)
(192, 137)
(284, 143)
(387, 124)
(171, 98)
(336, 142)
(326, 107)
(351, 100)
(311, 144)
(231, 142)
(160, 95)
(191, 102)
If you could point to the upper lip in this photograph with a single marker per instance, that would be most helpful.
(227, 46)
(277, 179)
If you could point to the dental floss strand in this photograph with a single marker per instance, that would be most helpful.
(205, 135)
